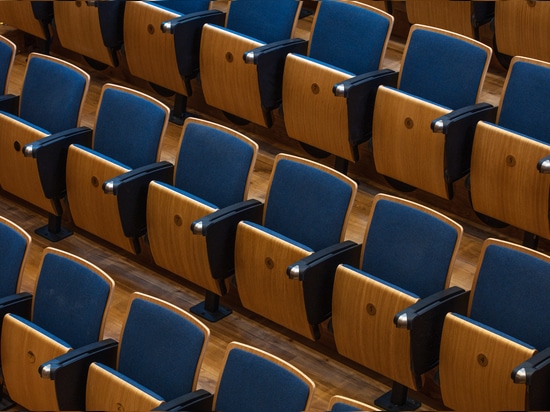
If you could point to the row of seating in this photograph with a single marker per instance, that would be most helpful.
(54, 356)
(425, 116)
(268, 261)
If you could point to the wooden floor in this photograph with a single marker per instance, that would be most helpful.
(331, 373)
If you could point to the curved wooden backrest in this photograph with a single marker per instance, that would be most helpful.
(78, 28)
(339, 403)
(455, 16)
(521, 28)
(20, 14)
(150, 53)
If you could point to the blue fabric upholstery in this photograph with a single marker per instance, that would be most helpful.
(341, 30)
(342, 407)
(51, 95)
(160, 349)
(41, 330)
(183, 6)
(526, 100)
(408, 248)
(307, 204)
(13, 248)
(511, 295)
(442, 69)
(265, 20)
(128, 128)
(252, 383)
(5, 60)
(213, 165)
(70, 300)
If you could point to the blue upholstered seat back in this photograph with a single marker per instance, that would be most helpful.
(511, 295)
(348, 37)
(213, 165)
(12, 247)
(264, 20)
(409, 248)
(343, 407)
(128, 128)
(307, 204)
(51, 95)
(442, 69)
(526, 102)
(5, 60)
(184, 6)
(160, 349)
(252, 383)
(70, 300)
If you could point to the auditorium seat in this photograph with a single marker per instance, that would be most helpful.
(213, 169)
(32, 17)
(69, 310)
(422, 130)
(93, 29)
(50, 105)
(306, 210)
(463, 17)
(496, 357)
(8, 49)
(508, 181)
(406, 264)
(521, 29)
(339, 403)
(232, 62)
(15, 245)
(161, 44)
(328, 93)
(127, 141)
(251, 380)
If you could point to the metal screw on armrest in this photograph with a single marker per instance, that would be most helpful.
(166, 27)
(545, 166)
(249, 57)
(28, 151)
(438, 126)
(109, 188)
(402, 321)
(45, 373)
(294, 272)
(197, 228)
(339, 90)
(521, 376)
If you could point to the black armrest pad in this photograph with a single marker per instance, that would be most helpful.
(360, 92)
(459, 128)
(535, 373)
(187, 31)
(220, 228)
(270, 62)
(317, 272)
(19, 304)
(131, 189)
(9, 103)
(70, 371)
(196, 401)
(425, 320)
(51, 157)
